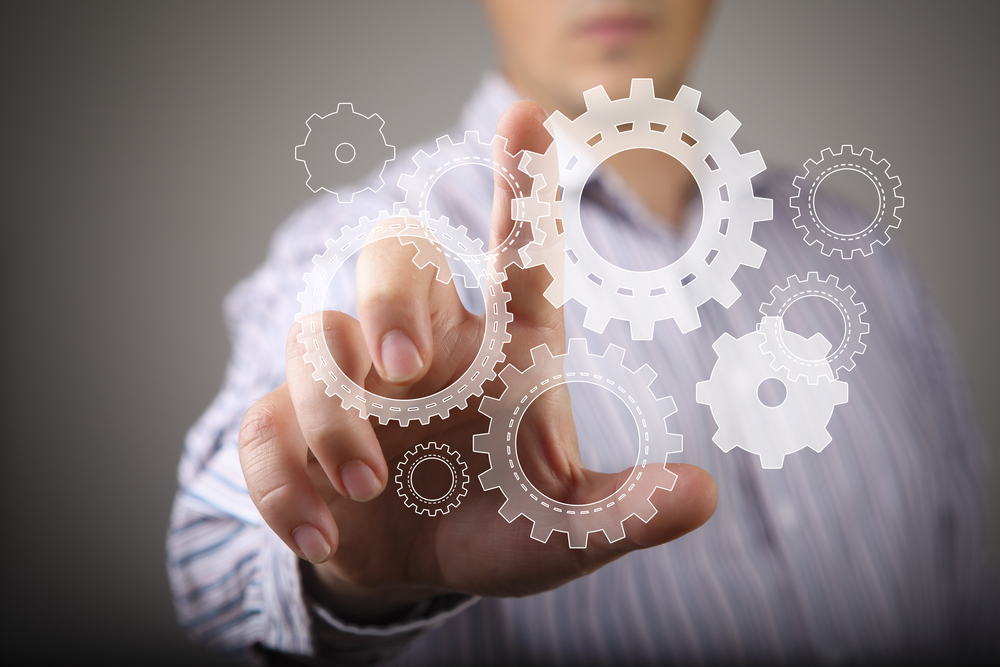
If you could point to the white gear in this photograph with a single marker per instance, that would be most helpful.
(746, 422)
(413, 498)
(473, 151)
(329, 149)
(782, 349)
(817, 231)
(723, 174)
(455, 395)
(500, 442)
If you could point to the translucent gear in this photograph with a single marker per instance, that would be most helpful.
(816, 231)
(744, 421)
(781, 348)
(473, 151)
(417, 501)
(523, 498)
(328, 151)
(353, 396)
(723, 174)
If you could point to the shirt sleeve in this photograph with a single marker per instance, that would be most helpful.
(237, 588)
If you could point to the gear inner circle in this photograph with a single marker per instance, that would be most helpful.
(318, 353)
(424, 460)
(642, 431)
(867, 173)
(844, 314)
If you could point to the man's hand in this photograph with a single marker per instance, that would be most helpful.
(317, 472)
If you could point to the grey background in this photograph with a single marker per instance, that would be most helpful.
(148, 156)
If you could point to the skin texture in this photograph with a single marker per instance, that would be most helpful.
(318, 473)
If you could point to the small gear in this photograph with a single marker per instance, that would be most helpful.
(819, 232)
(413, 498)
(325, 266)
(723, 175)
(330, 148)
(776, 338)
(771, 432)
(500, 442)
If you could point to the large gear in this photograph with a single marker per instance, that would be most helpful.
(787, 356)
(328, 151)
(353, 396)
(500, 442)
(819, 232)
(723, 175)
(473, 151)
(413, 498)
(771, 432)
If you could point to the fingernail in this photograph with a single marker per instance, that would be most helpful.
(359, 480)
(400, 357)
(311, 543)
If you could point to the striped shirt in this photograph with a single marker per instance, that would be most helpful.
(871, 548)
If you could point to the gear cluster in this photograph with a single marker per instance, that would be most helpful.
(547, 189)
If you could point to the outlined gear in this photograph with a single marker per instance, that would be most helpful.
(817, 231)
(330, 148)
(787, 356)
(353, 396)
(744, 421)
(723, 174)
(413, 498)
(473, 151)
(500, 442)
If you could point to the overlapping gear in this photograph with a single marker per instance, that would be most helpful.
(655, 443)
(419, 501)
(723, 174)
(781, 348)
(745, 421)
(471, 152)
(407, 230)
(818, 231)
(547, 191)
(330, 149)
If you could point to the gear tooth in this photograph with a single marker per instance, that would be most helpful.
(727, 294)
(675, 445)
(721, 440)
(688, 97)
(645, 375)
(727, 125)
(539, 532)
(614, 531)
(493, 479)
(444, 142)
(761, 210)
(703, 392)
(839, 390)
(752, 163)
(575, 347)
(771, 460)
(375, 118)
(509, 374)
(299, 157)
(866, 154)
(556, 120)
(725, 341)
(687, 320)
(798, 182)
(596, 320)
(508, 511)
(615, 355)
(827, 154)
(642, 89)
(345, 107)
(810, 163)
(667, 406)
(540, 354)
(640, 329)
(577, 537)
(596, 98)
(471, 137)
